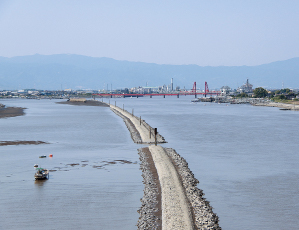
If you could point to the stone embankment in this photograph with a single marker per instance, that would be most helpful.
(203, 214)
(150, 211)
(182, 205)
(176, 208)
(171, 198)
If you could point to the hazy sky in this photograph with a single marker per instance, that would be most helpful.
(202, 32)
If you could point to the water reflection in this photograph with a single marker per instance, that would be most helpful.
(39, 183)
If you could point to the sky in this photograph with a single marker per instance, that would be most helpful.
(201, 32)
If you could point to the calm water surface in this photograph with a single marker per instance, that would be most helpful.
(99, 193)
(245, 157)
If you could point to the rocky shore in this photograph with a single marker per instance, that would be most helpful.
(150, 211)
(171, 198)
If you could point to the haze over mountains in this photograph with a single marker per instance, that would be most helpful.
(64, 71)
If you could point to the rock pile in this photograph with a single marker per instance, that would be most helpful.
(150, 210)
(203, 214)
(136, 137)
(131, 127)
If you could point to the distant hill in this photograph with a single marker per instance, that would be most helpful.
(82, 72)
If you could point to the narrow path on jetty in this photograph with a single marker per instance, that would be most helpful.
(144, 131)
(176, 210)
(182, 203)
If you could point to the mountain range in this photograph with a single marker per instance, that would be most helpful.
(65, 71)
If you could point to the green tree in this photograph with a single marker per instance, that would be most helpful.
(286, 90)
(260, 92)
(242, 95)
(272, 94)
(281, 97)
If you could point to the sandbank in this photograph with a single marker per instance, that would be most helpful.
(83, 102)
(4, 143)
(11, 111)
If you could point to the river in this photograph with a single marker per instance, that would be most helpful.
(245, 157)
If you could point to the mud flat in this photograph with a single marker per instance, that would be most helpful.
(171, 198)
(83, 102)
(5, 143)
(10, 111)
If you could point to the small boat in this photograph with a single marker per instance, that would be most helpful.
(41, 174)
(43, 156)
(35, 166)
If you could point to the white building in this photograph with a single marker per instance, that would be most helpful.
(246, 88)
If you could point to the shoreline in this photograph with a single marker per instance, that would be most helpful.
(11, 111)
(282, 106)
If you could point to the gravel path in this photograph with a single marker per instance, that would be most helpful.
(141, 127)
(176, 210)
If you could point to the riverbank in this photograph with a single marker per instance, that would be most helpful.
(11, 111)
(171, 198)
(282, 106)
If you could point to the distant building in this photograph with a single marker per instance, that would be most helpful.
(246, 88)
(225, 90)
